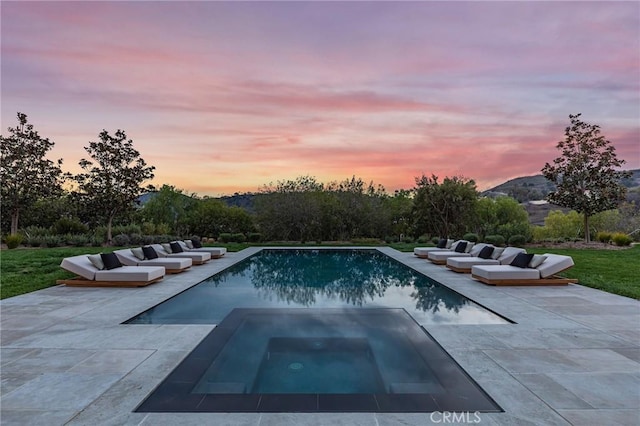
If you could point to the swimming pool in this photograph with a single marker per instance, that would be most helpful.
(318, 331)
(318, 360)
(328, 278)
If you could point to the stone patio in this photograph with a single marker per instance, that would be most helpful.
(572, 356)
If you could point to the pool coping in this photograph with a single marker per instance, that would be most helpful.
(573, 356)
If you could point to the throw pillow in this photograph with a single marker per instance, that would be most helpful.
(196, 243)
(149, 252)
(537, 260)
(497, 252)
(189, 244)
(166, 247)
(522, 260)
(110, 261)
(96, 260)
(486, 252)
(175, 247)
(461, 247)
(469, 247)
(138, 253)
(442, 243)
(449, 244)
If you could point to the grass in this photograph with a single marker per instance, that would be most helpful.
(25, 270)
(614, 271)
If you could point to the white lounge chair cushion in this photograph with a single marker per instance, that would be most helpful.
(505, 272)
(553, 264)
(195, 256)
(82, 266)
(509, 254)
(444, 255)
(166, 247)
(96, 260)
(468, 262)
(497, 252)
(138, 253)
(424, 251)
(213, 251)
(127, 258)
(469, 247)
(537, 260)
(131, 273)
(188, 243)
(476, 249)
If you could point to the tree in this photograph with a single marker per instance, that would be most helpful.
(26, 175)
(112, 184)
(171, 206)
(445, 209)
(585, 174)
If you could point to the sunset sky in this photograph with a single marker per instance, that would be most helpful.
(223, 97)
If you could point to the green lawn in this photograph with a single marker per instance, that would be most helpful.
(26, 270)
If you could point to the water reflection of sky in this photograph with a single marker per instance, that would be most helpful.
(319, 279)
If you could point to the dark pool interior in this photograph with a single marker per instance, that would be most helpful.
(318, 360)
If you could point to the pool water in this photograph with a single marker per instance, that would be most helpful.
(318, 360)
(331, 278)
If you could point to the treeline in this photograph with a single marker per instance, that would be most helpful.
(101, 205)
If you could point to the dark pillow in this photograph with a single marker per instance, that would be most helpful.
(522, 260)
(461, 247)
(486, 252)
(175, 247)
(196, 243)
(442, 243)
(149, 252)
(110, 261)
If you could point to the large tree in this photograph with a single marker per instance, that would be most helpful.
(26, 175)
(444, 209)
(585, 174)
(112, 184)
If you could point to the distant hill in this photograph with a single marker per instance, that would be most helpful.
(531, 188)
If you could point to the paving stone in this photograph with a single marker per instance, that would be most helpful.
(602, 417)
(603, 390)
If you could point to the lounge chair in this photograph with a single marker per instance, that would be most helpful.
(125, 276)
(171, 265)
(461, 249)
(443, 245)
(532, 274)
(215, 252)
(197, 258)
(498, 257)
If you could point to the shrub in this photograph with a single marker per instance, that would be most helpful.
(95, 241)
(621, 239)
(389, 239)
(34, 241)
(470, 237)
(32, 231)
(148, 228)
(496, 240)
(255, 237)
(52, 241)
(407, 239)
(239, 238)
(135, 239)
(435, 240)
(146, 240)
(423, 239)
(225, 237)
(66, 225)
(121, 240)
(13, 241)
(517, 240)
(604, 237)
(78, 240)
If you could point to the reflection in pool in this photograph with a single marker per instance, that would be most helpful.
(332, 278)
